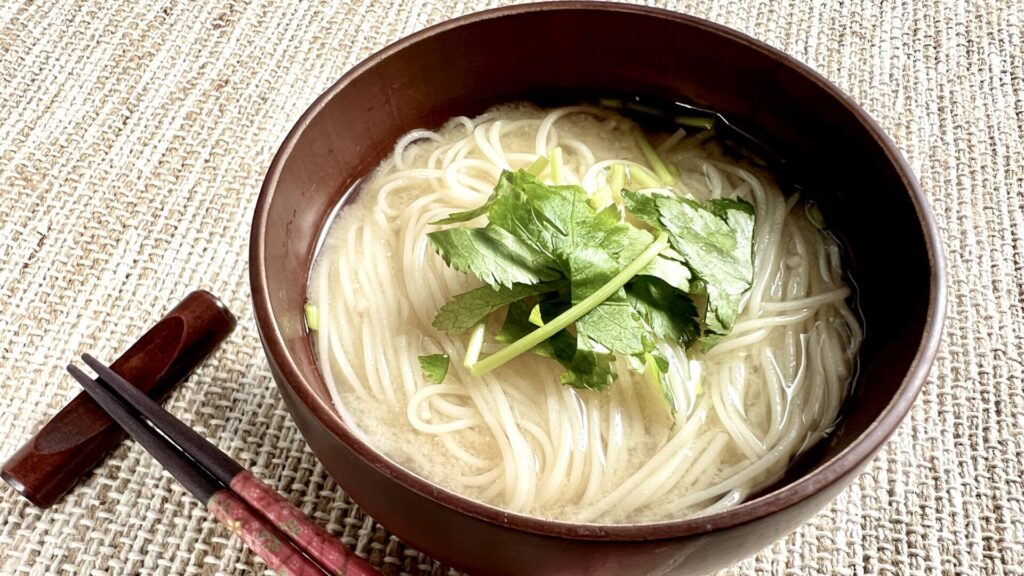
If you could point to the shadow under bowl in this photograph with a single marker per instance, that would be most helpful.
(461, 67)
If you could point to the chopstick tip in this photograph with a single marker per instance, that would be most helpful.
(77, 372)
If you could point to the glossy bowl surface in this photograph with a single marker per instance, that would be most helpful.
(463, 66)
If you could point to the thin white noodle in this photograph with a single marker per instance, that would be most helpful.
(517, 438)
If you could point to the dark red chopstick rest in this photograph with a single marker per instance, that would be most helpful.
(78, 437)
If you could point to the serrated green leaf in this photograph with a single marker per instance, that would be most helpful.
(588, 368)
(492, 255)
(643, 206)
(466, 310)
(716, 240)
(434, 366)
(655, 371)
(669, 268)
(597, 285)
(613, 324)
(669, 313)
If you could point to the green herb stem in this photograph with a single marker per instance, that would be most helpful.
(651, 372)
(573, 314)
(617, 180)
(656, 162)
(642, 177)
(476, 343)
(645, 108)
(312, 317)
(557, 168)
(814, 215)
(538, 166)
(695, 122)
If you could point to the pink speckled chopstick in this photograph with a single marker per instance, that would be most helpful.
(288, 540)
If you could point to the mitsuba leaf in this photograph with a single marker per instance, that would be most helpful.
(588, 246)
(614, 323)
(669, 313)
(589, 368)
(644, 207)
(716, 240)
(434, 366)
(546, 249)
(468, 309)
(585, 366)
(669, 267)
(656, 373)
(556, 220)
(492, 255)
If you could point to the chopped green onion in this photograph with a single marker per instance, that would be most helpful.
(312, 317)
(573, 314)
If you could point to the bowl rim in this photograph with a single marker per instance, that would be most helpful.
(852, 456)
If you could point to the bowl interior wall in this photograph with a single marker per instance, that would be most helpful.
(470, 68)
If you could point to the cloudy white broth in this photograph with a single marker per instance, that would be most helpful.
(559, 314)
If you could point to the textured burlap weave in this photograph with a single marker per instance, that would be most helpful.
(133, 141)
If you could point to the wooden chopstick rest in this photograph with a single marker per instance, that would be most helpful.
(78, 437)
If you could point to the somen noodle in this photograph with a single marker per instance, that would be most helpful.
(516, 437)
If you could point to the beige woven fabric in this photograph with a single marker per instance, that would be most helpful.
(133, 140)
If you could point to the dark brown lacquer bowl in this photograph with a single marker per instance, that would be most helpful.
(868, 194)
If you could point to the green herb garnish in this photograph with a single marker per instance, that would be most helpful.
(715, 239)
(312, 316)
(580, 285)
(434, 366)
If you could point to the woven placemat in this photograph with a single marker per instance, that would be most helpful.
(133, 140)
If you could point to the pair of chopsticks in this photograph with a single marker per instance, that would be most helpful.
(289, 541)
